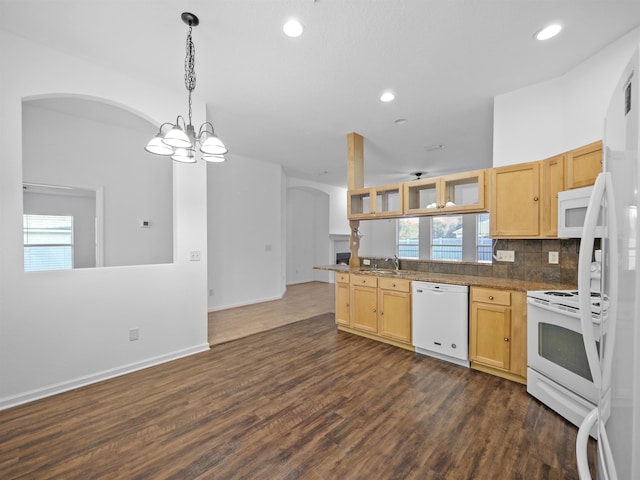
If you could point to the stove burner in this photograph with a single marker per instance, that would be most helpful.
(560, 294)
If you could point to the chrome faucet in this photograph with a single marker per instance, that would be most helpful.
(396, 262)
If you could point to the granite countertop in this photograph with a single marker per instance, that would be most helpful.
(454, 279)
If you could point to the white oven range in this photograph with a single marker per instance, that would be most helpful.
(558, 372)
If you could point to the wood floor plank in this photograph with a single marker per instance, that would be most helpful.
(302, 401)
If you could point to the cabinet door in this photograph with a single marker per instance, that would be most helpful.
(395, 315)
(342, 303)
(462, 192)
(489, 335)
(583, 166)
(422, 196)
(388, 201)
(515, 201)
(364, 308)
(552, 183)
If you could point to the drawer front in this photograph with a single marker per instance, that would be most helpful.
(342, 277)
(397, 284)
(364, 280)
(490, 295)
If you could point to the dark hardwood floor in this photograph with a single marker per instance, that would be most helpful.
(302, 401)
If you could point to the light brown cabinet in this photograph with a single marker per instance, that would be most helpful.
(394, 306)
(515, 201)
(364, 303)
(524, 197)
(379, 308)
(462, 192)
(375, 202)
(552, 183)
(498, 332)
(342, 299)
(583, 165)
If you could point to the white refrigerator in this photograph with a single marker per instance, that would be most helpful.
(614, 358)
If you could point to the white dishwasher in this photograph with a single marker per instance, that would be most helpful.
(440, 321)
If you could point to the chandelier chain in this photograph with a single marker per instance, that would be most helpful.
(189, 68)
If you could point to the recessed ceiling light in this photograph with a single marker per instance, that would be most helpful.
(292, 28)
(548, 32)
(387, 97)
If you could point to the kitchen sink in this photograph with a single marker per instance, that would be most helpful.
(387, 272)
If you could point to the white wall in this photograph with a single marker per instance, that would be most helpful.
(308, 241)
(136, 185)
(338, 223)
(552, 117)
(246, 239)
(46, 346)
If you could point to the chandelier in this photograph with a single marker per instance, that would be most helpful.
(180, 140)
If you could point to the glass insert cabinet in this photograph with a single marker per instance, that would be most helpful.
(452, 193)
(375, 202)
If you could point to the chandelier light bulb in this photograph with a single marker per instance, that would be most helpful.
(157, 146)
(213, 146)
(184, 155)
(213, 158)
(177, 138)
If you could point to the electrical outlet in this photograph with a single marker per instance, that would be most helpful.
(194, 256)
(554, 259)
(134, 334)
(505, 256)
(366, 261)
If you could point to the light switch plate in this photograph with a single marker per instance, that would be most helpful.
(554, 258)
(366, 261)
(194, 256)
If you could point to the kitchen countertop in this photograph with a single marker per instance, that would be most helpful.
(454, 279)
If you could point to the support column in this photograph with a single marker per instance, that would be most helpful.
(355, 179)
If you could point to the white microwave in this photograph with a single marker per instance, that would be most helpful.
(572, 209)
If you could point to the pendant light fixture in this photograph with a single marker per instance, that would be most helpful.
(179, 140)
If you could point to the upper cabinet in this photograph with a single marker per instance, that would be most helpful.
(515, 200)
(524, 197)
(463, 192)
(552, 182)
(583, 165)
(375, 202)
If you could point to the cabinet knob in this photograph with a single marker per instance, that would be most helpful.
(347, 305)
(374, 309)
(490, 297)
(364, 281)
(535, 199)
(393, 285)
(506, 339)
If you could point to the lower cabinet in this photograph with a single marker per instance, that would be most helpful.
(498, 332)
(342, 299)
(378, 308)
(394, 305)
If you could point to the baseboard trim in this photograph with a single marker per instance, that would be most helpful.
(61, 387)
(244, 304)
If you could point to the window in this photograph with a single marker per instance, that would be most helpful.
(458, 238)
(408, 236)
(48, 242)
(446, 238)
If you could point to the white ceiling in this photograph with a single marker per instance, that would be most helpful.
(292, 101)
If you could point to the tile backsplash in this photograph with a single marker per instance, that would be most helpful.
(531, 262)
